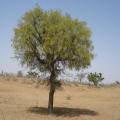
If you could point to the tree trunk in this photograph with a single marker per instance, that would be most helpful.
(52, 89)
(51, 99)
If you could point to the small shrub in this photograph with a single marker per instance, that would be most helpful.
(2, 73)
(68, 97)
(19, 74)
(32, 74)
(95, 78)
(117, 82)
(81, 76)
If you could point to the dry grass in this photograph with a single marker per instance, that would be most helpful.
(20, 100)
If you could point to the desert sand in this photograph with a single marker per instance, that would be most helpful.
(23, 101)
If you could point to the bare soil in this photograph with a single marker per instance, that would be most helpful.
(23, 101)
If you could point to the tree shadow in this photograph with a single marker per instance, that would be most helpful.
(63, 111)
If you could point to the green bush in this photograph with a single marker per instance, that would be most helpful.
(95, 78)
(32, 74)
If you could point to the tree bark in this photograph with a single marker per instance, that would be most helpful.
(52, 90)
(51, 99)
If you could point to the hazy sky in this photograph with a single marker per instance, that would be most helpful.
(102, 16)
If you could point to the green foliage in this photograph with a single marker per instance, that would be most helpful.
(32, 74)
(95, 78)
(47, 40)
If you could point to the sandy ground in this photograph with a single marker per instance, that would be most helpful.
(19, 101)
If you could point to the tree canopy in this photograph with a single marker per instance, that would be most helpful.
(49, 41)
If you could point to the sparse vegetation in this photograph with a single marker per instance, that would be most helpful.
(25, 102)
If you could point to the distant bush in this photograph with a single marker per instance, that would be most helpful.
(117, 82)
(32, 74)
(81, 76)
(7, 74)
(19, 73)
(95, 78)
(2, 73)
(68, 98)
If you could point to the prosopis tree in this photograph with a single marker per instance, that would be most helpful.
(50, 42)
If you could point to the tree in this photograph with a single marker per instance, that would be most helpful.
(51, 42)
(2, 73)
(95, 78)
(81, 76)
